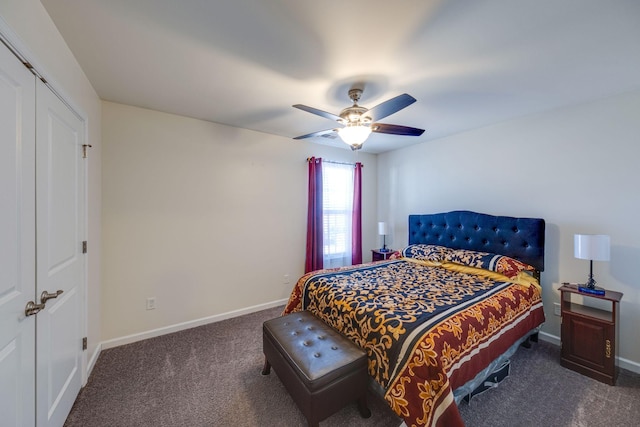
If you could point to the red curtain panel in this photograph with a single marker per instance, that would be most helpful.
(314, 216)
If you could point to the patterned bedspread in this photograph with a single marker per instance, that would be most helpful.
(428, 327)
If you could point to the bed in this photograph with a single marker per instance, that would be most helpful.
(439, 316)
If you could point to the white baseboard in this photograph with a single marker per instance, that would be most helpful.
(115, 342)
(94, 359)
(623, 363)
(544, 336)
(629, 365)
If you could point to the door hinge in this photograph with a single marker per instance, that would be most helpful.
(84, 343)
(84, 247)
(84, 150)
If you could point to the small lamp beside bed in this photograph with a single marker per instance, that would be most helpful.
(383, 231)
(594, 247)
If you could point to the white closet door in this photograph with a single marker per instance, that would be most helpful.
(60, 261)
(17, 241)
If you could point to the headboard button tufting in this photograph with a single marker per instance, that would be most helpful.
(488, 233)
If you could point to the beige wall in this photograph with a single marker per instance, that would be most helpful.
(206, 218)
(575, 167)
(32, 31)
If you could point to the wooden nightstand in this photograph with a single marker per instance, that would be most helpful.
(589, 335)
(377, 255)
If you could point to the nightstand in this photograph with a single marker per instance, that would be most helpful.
(589, 335)
(377, 255)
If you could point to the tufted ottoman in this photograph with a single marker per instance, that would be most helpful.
(321, 369)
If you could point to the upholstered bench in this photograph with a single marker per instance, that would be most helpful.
(322, 370)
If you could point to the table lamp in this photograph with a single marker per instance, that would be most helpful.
(382, 231)
(594, 247)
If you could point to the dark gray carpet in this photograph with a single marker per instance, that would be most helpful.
(539, 392)
(210, 376)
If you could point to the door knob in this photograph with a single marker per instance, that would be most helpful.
(32, 308)
(46, 296)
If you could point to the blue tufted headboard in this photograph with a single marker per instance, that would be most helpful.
(519, 238)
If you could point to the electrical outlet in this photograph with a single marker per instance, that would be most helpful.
(286, 279)
(556, 308)
(151, 303)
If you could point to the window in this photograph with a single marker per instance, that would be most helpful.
(337, 209)
(334, 217)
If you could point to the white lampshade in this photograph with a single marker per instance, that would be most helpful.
(354, 134)
(382, 228)
(593, 247)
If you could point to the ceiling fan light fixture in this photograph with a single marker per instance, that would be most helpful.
(357, 122)
(354, 134)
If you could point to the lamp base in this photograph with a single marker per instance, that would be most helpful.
(596, 290)
(384, 249)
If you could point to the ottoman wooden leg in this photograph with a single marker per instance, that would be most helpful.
(365, 412)
(266, 369)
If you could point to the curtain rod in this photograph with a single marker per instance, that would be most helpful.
(334, 162)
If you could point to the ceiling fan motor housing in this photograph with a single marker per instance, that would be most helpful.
(355, 113)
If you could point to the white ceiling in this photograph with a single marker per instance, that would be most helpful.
(245, 62)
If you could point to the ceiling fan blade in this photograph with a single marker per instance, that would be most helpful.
(315, 111)
(396, 129)
(319, 133)
(390, 106)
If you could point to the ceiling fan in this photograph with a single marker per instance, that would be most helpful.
(358, 122)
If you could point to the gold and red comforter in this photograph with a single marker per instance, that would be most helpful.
(428, 327)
